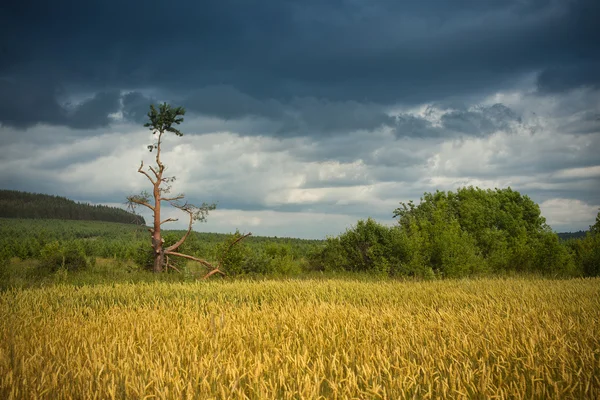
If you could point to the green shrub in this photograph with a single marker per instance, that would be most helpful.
(586, 253)
(367, 247)
(143, 256)
(67, 257)
(232, 254)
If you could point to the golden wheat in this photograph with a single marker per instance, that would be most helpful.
(512, 338)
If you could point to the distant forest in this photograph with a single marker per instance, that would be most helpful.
(571, 235)
(16, 204)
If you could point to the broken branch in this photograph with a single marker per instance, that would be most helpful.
(141, 171)
(214, 271)
(199, 260)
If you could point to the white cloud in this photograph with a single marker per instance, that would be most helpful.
(569, 214)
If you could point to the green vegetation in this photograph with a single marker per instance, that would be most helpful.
(121, 252)
(464, 233)
(471, 232)
(15, 204)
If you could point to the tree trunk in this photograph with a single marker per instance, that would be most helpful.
(159, 261)
(157, 241)
(159, 255)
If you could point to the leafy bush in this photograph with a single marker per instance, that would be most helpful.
(68, 257)
(232, 254)
(143, 256)
(367, 247)
(586, 251)
(475, 230)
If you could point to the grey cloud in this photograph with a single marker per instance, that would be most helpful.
(586, 190)
(566, 77)
(304, 116)
(481, 121)
(408, 125)
(310, 116)
(586, 122)
(226, 102)
(24, 104)
(136, 106)
(93, 113)
(398, 156)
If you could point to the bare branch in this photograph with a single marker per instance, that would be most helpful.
(141, 171)
(201, 261)
(169, 220)
(153, 171)
(168, 264)
(178, 197)
(184, 237)
(214, 271)
(172, 266)
(140, 199)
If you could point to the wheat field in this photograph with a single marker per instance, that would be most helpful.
(304, 339)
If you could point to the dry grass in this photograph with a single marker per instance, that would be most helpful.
(511, 338)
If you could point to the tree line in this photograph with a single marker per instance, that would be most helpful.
(465, 233)
(17, 204)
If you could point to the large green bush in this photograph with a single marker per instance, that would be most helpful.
(455, 234)
(476, 230)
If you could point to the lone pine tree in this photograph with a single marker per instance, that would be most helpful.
(162, 120)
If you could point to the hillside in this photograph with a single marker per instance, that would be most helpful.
(16, 204)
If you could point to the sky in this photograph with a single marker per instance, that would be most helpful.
(305, 116)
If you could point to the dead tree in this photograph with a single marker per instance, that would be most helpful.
(162, 120)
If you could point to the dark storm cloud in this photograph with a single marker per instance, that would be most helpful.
(226, 102)
(26, 103)
(136, 107)
(381, 52)
(93, 113)
(304, 116)
(312, 115)
(23, 104)
(564, 77)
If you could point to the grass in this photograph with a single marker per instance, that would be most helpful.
(502, 338)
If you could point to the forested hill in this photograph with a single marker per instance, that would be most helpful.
(571, 235)
(15, 204)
